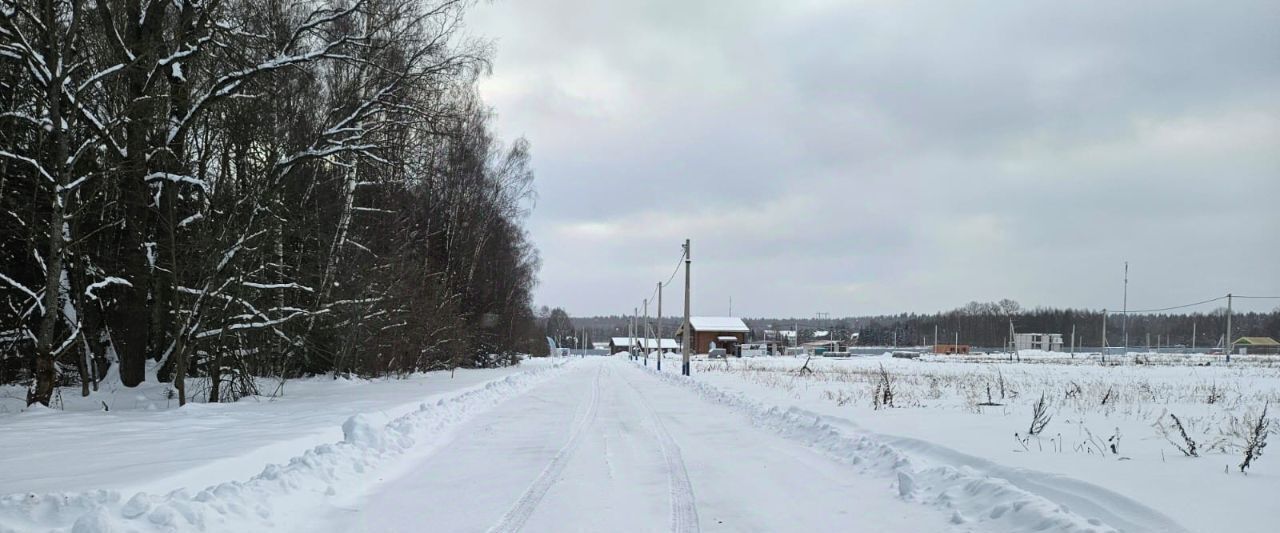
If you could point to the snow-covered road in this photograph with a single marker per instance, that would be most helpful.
(607, 446)
(596, 444)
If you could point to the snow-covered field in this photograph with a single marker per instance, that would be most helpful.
(606, 444)
(938, 418)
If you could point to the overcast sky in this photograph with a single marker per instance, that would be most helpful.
(880, 156)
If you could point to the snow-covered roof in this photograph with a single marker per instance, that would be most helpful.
(640, 341)
(718, 323)
(667, 344)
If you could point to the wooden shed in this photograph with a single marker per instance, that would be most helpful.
(709, 332)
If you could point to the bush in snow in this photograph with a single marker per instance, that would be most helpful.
(1039, 416)
(1188, 447)
(1255, 438)
(883, 396)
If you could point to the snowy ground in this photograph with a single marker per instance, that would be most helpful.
(146, 443)
(606, 444)
(938, 421)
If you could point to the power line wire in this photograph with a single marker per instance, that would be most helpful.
(676, 271)
(1133, 311)
(670, 279)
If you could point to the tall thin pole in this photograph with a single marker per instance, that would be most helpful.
(635, 312)
(645, 328)
(659, 326)
(1227, 341)
(685, 341)
(1124, 319)
(1193, 335)
(1013, 338)
(1073, 340)
(1104, 335)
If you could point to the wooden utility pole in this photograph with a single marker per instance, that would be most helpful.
(1226, 341)
(1124, 318)
(685, 340)
(1104, 335)
(659, 333)
(644, 326)
(1013, 341)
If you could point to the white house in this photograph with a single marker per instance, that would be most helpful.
(1049, 342)
(619, 344)
(666, 345)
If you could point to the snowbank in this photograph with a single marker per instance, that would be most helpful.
(976, 493)
(147, 443)
(282, 493)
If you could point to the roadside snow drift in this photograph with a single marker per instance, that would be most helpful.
(282, 493)
(978, 496)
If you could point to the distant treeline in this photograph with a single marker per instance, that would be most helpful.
(987, 325)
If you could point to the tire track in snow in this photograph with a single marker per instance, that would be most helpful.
(684, 509)
(515, 518)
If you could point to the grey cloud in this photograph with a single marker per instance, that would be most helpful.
(886, 156)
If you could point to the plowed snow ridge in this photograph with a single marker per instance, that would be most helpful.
(282, 492)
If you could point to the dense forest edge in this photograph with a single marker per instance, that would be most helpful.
(229, 189)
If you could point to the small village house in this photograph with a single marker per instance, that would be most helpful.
(1257, 346)
(710, 332)
(622, 344)
(666, 345)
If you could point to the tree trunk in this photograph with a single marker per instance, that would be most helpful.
(55, 161)
(131, 323)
